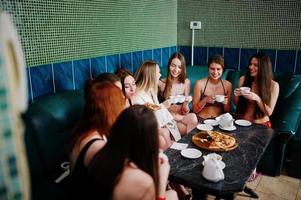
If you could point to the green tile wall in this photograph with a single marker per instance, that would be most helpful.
(259, 24)
(56, 31)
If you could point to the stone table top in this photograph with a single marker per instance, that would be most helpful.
(240, 162)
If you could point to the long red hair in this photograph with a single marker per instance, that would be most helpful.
(103, 103)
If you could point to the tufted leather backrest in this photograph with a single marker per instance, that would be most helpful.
(48, 122)
(287, 113)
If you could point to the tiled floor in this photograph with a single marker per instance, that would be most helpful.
(273, 188)
(280, 188)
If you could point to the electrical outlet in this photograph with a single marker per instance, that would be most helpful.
(195, 25)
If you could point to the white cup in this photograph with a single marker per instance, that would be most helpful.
(173, 99)
(226, 120)
(244, 90)
(181, 99)
(219, 98)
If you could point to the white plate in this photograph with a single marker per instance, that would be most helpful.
(211, 122)
(242, 122)
(191, 153)
(218, 118)
(230, 128)
(204, 127)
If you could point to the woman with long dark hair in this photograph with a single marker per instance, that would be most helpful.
(128, 84)
(129, 166)
(257, 104)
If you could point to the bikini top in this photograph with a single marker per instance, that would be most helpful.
(203, 93)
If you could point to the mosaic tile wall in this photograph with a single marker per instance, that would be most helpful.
(255, 24)
(58, 31)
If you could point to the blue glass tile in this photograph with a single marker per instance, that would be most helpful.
(81, 72)
(200, 56)
(112, 63)
(231, 56)
(41, 80)
(98, 66)
(186, 51)
(285, 61)
(173, 49)
(165, 56)
(29, 96)
(298, 67)
(137, 60)
(245, 56)
(157, 56)
(126, 61)
(147, 55)
(63, 76)
(215, 51)
(271, 54)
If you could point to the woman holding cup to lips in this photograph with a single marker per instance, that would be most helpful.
(176, 87)
(211, 96)
(257, 93)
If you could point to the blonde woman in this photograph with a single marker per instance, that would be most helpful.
(175, 84)
(147, 78)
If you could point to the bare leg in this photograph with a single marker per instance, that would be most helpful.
(190, 120)
(164, 138)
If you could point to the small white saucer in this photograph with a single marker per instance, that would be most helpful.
(211, 122)
(230, 128)
(242, 122)
(204, 127)
(191, 153)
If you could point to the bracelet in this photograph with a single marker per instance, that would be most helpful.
(161, 198)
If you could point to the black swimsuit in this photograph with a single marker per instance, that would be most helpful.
(203, 94)
(79, 172)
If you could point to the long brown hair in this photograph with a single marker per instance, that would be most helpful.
(103, 103)
(134, 138)
(263, 82)
(182, 76)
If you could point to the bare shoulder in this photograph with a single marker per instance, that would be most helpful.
(275, 85)
(227, 83)
(201, 82)
(137, 178)
(134, 184)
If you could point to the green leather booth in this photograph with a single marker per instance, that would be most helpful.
(49, 119)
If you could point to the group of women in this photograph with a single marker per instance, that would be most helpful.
(116, 148)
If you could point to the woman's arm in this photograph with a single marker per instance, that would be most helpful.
(227, 102)
(197, 104)
(267, 109)
(237, 90)
(185, 106)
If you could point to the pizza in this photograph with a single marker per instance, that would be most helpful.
(215, 141)
(153, 107)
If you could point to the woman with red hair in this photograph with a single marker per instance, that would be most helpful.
(90, 135)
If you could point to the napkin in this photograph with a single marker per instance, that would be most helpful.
(179, 146)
